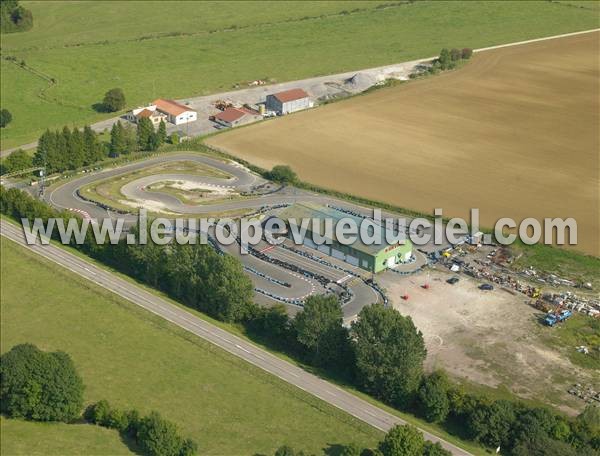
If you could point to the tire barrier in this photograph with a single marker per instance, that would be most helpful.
(294, 301)
(100, 205)
(264, 209)
(268, 277)
(256, 190)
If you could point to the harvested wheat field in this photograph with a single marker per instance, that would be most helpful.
(515, 133)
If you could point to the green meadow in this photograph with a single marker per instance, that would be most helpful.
(137, 360)
(184, 49)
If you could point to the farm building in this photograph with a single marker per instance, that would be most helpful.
(288, 101)
(176, 112)
(149, 112)
(232, 117)
(373, 258)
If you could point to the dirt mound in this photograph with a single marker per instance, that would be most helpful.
(360, 82)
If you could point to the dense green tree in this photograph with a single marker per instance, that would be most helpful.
(14, 18)
(145, 132)
(285, 450)
(282, 174)
(433, 397)
(16, 161)
(434, 449)
(93, 150)
(189, 447)
(154, 142)
(98, 412)
(320, 329)
(114, 100)
(162, 133)
(39, 386)
(352, 449)
(540, 444)
(455, 54)
(76, 150)
(389, 353)
(586, 428)
(131, 142)
(228, 292)
(174, 138)
(5, 118)
(491, 424)
(403, 440)
(466, 53)
(118, 141)
(444, 59)
(197, 275)
(157, 436)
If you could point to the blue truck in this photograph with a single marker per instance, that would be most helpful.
(557, 317)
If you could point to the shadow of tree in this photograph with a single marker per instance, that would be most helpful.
(100, 107)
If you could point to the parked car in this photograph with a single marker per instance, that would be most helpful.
(452, 280)
(486, 287)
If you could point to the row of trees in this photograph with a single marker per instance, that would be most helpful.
(382, 352)
(124, 140)
(403, 440)
(45, 386)
(68, 149)
(154, 435)
(449, 58)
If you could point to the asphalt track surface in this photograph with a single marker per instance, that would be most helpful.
(289, 286)
(237, 346)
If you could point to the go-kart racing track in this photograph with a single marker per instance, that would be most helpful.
(285, 273)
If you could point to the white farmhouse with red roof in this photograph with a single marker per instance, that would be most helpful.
(162, 109)
(176, 112)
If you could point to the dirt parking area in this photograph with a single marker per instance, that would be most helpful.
(486, 338)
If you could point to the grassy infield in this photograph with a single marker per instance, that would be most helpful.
(124, 354)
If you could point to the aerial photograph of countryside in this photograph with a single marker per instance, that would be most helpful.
(300, 227)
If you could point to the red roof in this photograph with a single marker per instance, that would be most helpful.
(290, 95)
(145, 113)
(230, 115)
(170, 107)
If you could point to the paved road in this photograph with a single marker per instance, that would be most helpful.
(241, 348)
(314, 86)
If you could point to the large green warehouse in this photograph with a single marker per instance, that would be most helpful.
(373, 258)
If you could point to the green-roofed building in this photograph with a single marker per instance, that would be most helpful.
(371, 257)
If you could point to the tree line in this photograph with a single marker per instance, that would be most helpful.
(67, 149)
(382, 353)
(45, 386)
(447, 60)
(154, 434)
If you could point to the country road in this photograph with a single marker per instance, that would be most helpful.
(237, 346)
(204, 104)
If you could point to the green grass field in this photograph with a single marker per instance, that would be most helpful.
(578, 330)
(134, 359)
(182, 49)
(59, 439)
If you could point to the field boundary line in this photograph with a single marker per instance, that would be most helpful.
(535, 40)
